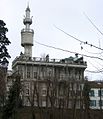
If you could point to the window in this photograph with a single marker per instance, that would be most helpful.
(20, 69)
(43, 103)
(100, 93)
(28, 74)
(91, 93)
(80, 75)
(100, 103)
(48, 72)
(78, 104)
(61, 91)
(27, 91)
(35, 74)
(21, 74)
(27, 102)
(93, 103)
(44, 92)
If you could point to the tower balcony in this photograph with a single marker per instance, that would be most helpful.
(27, 37)
(27, 21)
(27, 30)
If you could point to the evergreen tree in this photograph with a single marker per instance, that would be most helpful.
(14, 100)
(4, 55)
(2, 87)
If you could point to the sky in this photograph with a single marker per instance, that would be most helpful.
(67, 15)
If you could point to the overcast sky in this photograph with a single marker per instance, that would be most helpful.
(65, 14)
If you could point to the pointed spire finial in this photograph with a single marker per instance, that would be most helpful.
(28, 4)
(28, 9)
(27, 20)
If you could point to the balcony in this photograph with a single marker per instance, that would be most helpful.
(45, 61)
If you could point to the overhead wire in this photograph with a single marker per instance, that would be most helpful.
(100, 64)
(78, 39)
(94, 66)
(92, 52)
(94, 27)
(95, 71)
(87, 44)
(67, 50)
(99, 71)
(93, 24)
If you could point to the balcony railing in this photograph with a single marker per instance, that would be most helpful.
(45, 60)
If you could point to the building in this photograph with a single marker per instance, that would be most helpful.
(96, 95)
(47, 82)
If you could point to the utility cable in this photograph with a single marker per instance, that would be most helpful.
(67, 51)
(93, 23)
(78, 39)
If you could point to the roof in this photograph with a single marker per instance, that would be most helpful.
(95, 84)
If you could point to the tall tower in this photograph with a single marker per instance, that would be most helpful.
(27, 34)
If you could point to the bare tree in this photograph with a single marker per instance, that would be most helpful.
(86, 98)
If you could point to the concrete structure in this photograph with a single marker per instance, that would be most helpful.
(96, 95)
(27, 34)
(48, 82)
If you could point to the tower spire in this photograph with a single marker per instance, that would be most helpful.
(27, 34)
(28, 4)
(27, 21)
